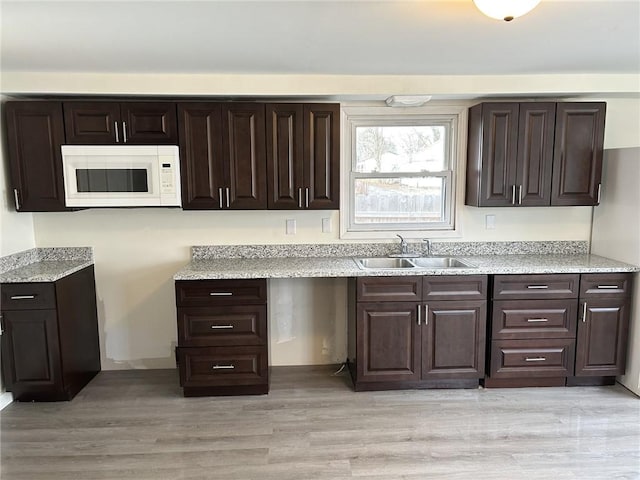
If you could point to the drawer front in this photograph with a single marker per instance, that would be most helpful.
(202, 293)
(460, 287)
(28, 296)
(392, 289)
(223, 366)
(222, 326)
(523, 319)
(532, 358)
(605, 285)
(506, 287)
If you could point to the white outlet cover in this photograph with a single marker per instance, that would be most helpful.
(291, 227)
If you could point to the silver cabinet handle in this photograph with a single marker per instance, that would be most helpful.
(220, 197)
(223, 367)
(220, 294)
(221, 327)
(513, 195)
(599, 192)
(537, 287)
(419, 314)
(16, 198)
(519, 194)
(124, 132)
(610, 287)
(299, 197)
(534, 320)
(306, 197)
(426, 314)
(115, 128)
(23, 297)
(535, 359)
(584, 312)
(227, 193)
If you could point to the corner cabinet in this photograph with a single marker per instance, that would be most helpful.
(35, 132)
(222, 337)
(417, 332)
(50, 346)
(534, 154)
(303, 156)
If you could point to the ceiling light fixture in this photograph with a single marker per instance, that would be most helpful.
(505, 10)
(407, 100)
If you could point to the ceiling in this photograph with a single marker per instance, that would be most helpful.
(420, 37)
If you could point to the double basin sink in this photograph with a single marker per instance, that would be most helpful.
(396, 263)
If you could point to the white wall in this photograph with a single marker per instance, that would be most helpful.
(138, 250)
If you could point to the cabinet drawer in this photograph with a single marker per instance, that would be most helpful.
(392, 289)
(605, 285)
(222, 326)
(223, 366)
(506, 287)
(202, 293)
(532, 358)
(461, 287)
(522, 319)
(28, 296)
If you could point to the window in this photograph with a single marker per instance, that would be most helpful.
(399, 171)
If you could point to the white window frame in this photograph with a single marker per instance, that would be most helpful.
(354, 116)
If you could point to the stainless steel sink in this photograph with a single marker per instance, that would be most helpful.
(384, 262)
(440, 262)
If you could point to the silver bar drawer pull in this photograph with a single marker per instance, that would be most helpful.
(535, 359)
(220, 294)
(23, 297)
(221, 327)
(223, 367)
(537, 320)
(608, 287)
(538, 287)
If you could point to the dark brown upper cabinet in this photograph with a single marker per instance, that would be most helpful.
(107, 123)
(534, 154)
(577, 156)
(35, 132)
(303, 156)
(222, 155)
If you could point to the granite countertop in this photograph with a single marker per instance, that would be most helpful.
(44, 264)
(229, 268)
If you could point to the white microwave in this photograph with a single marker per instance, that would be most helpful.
(121, 175)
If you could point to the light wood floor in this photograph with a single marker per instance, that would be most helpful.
(136, 425)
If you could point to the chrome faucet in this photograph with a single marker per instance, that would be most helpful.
(427, 245)
(404, 248)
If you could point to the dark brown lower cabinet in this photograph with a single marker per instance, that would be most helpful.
(50, 346)
(415, 344)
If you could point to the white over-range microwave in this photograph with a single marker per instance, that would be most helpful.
(121, 175)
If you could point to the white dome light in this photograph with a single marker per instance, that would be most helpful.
(505, 10)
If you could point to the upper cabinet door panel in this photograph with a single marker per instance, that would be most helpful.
(535, 153)
(243, 143)
(149, 123)
(579, 139)
(201, 161)
(284, 156)
(322, 155)
(35, 132)
(92, 123)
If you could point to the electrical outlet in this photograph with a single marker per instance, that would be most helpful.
(291, 227)
(490, 222)
(326, 225)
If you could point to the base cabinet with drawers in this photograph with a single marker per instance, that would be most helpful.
(50, 346)
(558, 329)
(222, 337)
(416, 332)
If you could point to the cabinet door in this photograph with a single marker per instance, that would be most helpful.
(387, 342)
(577, 156)
(149, 123)
(30, 345)
(453, 339)
(284, 156)
(35, 132)
(322, 156)
(244, 149)
(601, 344)
(493, 143)
(201, 160)
(92, 123)
(535, 153)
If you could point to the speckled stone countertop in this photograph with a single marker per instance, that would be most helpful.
(243, 265)
(44, 264)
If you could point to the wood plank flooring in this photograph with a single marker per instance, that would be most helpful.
(135, 425)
